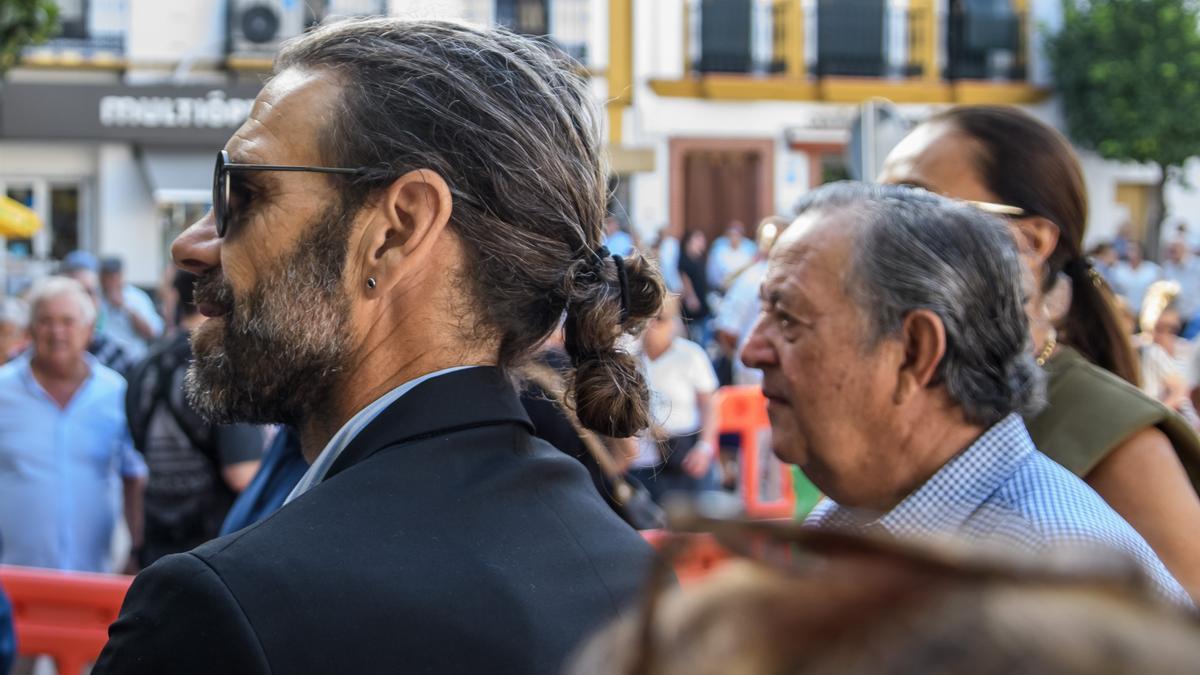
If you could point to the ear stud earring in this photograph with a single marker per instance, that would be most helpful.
(371, 282)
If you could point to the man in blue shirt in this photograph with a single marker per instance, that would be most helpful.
(129, 314)
(896, 363)
(64, 445)
(616, 239)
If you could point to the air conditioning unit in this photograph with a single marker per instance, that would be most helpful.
(256, 27)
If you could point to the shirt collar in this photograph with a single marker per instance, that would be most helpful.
(946, 501)
(25, 359)
(333, 449)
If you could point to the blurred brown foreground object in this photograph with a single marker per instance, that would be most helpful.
(806, 601)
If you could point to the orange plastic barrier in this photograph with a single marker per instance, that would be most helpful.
(702, 555)
(743, 410)
(63, 615)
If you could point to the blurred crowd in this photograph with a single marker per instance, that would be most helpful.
(94, 399)
(90, 355)
(1008, 463)
(1159, 304)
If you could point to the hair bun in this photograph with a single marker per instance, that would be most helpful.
(610, 393)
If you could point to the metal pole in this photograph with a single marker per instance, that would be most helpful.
(868, 142)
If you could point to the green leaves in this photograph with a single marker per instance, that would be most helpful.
(23, 23)
(1128, 72)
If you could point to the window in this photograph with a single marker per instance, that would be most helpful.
(61, 207)
(528, 17)
(64, 220)
(73, 18)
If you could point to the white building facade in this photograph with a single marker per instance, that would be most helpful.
(794, 75)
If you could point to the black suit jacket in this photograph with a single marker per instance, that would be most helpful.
(445, 539)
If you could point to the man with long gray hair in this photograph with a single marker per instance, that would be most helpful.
(896, 364)
(410, 210)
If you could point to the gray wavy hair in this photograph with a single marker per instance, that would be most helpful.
(55, 287)
(916, 250)
(513, 130)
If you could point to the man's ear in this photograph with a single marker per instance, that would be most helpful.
(1036, 236)
(923, 338)
(408, 220)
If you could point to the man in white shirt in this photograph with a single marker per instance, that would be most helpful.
(678, 455)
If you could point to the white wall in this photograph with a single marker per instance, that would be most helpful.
(37, 159)
(128, 222)
(472, 10)
(653, 121)
(173, 31)
(1183, 201)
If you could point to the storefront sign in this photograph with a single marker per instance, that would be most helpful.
(177, 116)
(213, 111)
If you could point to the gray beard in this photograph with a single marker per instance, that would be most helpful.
(280, 352)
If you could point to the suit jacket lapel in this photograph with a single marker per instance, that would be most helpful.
(472, 397)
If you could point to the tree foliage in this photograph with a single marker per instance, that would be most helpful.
(1128, 72)
(23, 23)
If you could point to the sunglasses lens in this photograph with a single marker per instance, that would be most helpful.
(226, 179)
(218, 193)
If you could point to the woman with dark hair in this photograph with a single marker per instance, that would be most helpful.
(1140, 456)
(691, 269)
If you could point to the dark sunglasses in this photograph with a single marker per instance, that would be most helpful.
(223, 183)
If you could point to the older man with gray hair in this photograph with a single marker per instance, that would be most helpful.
(64, 443)
(896, 365)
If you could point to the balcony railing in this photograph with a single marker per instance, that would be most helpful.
(853, 38)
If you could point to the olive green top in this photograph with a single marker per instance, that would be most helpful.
(1091, 411)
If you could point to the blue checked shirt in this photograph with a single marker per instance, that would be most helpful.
(1003, 489)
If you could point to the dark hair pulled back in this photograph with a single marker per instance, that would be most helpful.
(1028, 164)
(513, 131)
(596, 319)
